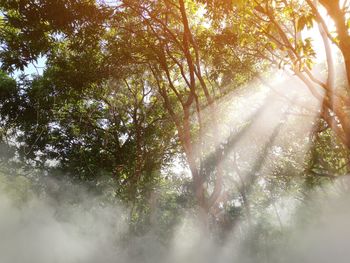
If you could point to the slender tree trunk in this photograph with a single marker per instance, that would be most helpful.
(338, 15)
(337, 105)
(198, 182)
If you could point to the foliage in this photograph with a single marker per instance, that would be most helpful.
(30, 29)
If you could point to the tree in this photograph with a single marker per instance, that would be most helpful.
(338, 15)
(188, 65)
(90, 125)
(8, 109)
(278, 26)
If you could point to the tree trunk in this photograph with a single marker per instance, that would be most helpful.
(338, 15)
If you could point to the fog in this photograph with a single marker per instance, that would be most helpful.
(73, 226)
(67, 224)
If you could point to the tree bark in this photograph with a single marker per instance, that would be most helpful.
(338, 15)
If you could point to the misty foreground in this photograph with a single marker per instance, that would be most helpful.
(66, 223)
